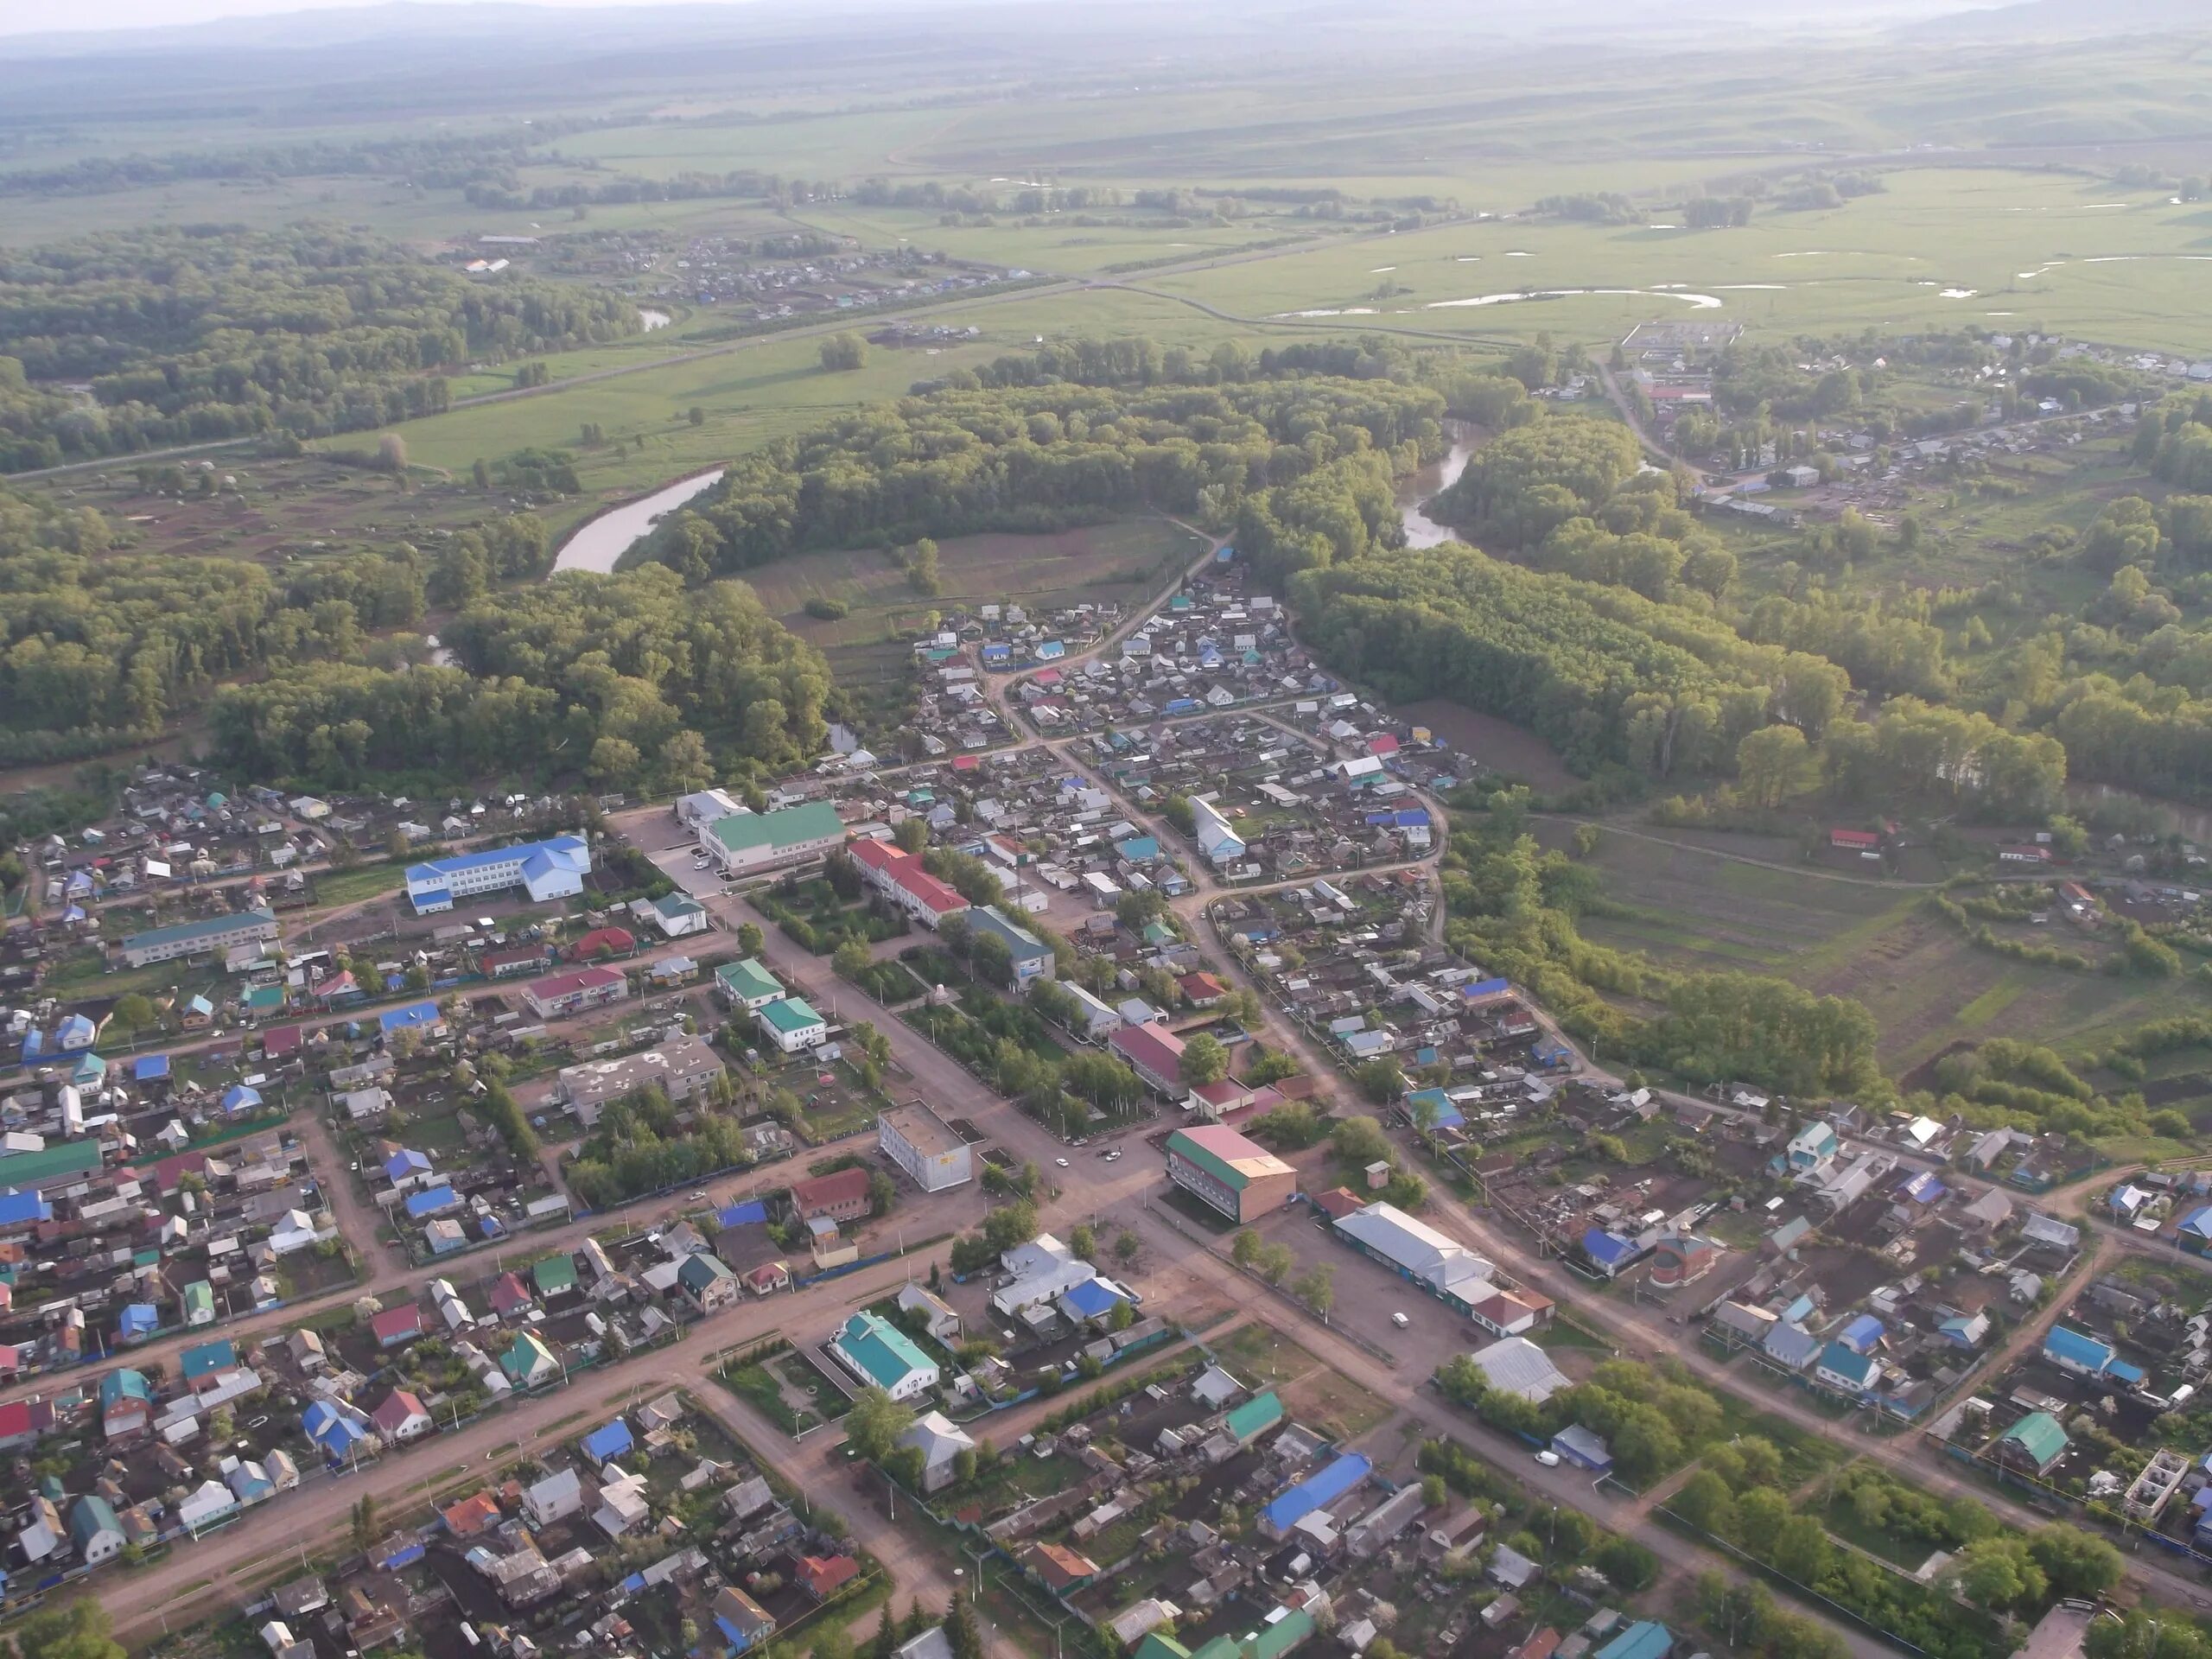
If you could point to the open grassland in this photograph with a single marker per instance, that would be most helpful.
(1119, 564)
(2018, 249)
(1927, 986)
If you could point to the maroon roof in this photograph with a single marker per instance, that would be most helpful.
(395, 1322)
(827, 1192)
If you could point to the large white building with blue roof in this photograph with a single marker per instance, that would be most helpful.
(544, 869)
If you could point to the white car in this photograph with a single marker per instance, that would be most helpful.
(1548, 1458)
(1062, 1162)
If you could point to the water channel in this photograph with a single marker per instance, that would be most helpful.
(1415, 492)
(597, 543)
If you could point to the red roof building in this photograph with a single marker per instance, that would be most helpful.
(397, 1325)
(509, 1295)
(280, 1042)
(1855, 840)
(1060, 1567)
(1339, 1202)
(1154, 1052)
(820, 1577)
(472, 1515)
(1385, 744)
(842, 1196)
(899, 876)
(603, 941)
(1203, 988)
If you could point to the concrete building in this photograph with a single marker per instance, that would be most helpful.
(925, 1145)
(747, 842)
(681, 1067)
(559, 995)
(746, 985)
(213, 935)
(543, 869)
(1227, 1172)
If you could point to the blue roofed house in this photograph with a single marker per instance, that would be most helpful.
(1139, 849)
(1847, 1372)
(241, 1098)
(22, 1208)
(139, 1321)
(1436, 1107)
(1609, 1252)
(421, 1018)
(1092, 1301)
(338, 1432)
(431, 1201)
(2195, 1232)
(150, 1068)
(2076, 1354)
(1317, 1491)
(406, 1168)
(743, 1623)
(1863, 1334)
(610, 1439)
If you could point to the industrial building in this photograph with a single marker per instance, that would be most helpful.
(925, 1145)
(543, 869)
(1225, 1171)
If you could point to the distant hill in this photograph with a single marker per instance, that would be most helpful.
(2048, 19)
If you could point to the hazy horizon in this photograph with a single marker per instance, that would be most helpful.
(95, 16)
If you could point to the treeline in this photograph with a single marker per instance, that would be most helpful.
(1575, 662)
(1032, 457)
(444, 160)
(505, 189)
(191, 335)
(100, 647)
(627, 679)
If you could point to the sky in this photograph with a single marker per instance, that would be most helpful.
(42, 16)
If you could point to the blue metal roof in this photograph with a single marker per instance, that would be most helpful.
(28, 1203)
(432, 1201)
(1093, 1298)
(1317, 1490)
(569, 850)
(405, 1162)
(2120, 1371)
(1855, 1369)
(751, 1213)
(1607, 1250)
(2072, 1348)
(1861, 1334)
(1643, 1640)
(148, 1067)
(206, 1357)
(608, 1441)
(415, 1014)
(1481, 989)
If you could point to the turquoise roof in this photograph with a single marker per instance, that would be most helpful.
(881, 1349)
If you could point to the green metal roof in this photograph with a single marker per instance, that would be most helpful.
(207, 928)
(554, 1273)
(742, 832)
(1260, 1413)
(49, 1163)
(747, 979)
(792, 1013)
(2039, 1435)
(881, 1348)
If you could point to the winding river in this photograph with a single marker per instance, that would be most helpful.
(1415, 492)
(597, 542)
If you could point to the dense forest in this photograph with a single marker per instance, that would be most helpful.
(1023, 455)
(628, 678)
(100, 645)
(183, 335)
